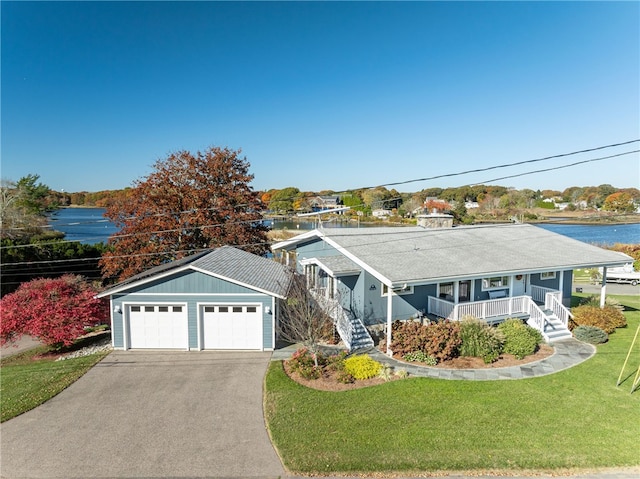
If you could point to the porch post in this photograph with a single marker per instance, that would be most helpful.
(603, 289)
(389, 315)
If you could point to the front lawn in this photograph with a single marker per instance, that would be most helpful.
(573, 419)
(26, 382)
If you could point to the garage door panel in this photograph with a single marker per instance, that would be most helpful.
(232, 327)
(158, 327)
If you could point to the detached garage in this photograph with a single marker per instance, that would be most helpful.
(220, 299)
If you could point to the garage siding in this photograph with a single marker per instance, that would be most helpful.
(201, 289)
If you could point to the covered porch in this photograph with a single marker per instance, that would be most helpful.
(542, 310)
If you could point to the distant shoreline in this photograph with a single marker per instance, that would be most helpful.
(564, 220)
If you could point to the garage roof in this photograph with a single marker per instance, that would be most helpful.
(226, 262)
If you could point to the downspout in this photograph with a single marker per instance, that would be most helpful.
(389, 315)
(603, 289)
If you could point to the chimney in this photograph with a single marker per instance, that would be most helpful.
(435, 220)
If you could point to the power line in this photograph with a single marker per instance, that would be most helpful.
(387, 184)
(507, 165)
(562, 166)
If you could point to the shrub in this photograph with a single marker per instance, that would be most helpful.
(519, 339)
(608, 301)
(304, 363)
(420, 357)
(56, 311)
(402, 373)
(590, 334)
(344, 377)
(386, 373)
(443, 340)
(407, 337)
(362, 366)
(440, 340)
(480, 340)
(335, 362)
(608, 318)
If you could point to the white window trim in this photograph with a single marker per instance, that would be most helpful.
(505, 285)
(384, 290)
(546, 275)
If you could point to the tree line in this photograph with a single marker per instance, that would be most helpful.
(190, 202)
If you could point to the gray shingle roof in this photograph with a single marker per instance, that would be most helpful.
(246, 268)
(237, 265)
(417, 254)
(339, 265)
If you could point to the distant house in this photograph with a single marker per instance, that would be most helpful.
(381, 213)
(324, 203)
(368, 278)
(224, 298)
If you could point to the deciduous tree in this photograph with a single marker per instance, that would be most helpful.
(303, 319)
(189, 202)
(56, 311)
(620, 202)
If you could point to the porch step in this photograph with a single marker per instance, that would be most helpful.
(554, 330)
(360, 337)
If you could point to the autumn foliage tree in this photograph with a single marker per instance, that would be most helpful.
(188, 203)
(56, 311)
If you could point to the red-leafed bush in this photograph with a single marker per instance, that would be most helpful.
(56, 311)
(440, 340)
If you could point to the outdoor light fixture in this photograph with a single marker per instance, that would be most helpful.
(267, 310)
(372, 287)
(117, 309)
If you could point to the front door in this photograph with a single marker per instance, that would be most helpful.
(519, 285)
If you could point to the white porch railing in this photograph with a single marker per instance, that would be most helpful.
(559, 309)
(537, 318)
(440, 308)
(541, 295)
(479, 309)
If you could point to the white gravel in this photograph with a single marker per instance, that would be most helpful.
(102, 345)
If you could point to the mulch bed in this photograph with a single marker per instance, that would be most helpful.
(329, 382)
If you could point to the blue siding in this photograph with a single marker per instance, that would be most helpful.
(566, 288)
(192, 289)
(192, 282)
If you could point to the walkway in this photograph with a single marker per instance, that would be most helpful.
(568, 353)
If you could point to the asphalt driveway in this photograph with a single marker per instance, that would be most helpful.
(149, 414)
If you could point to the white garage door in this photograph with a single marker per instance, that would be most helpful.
(158, 326)
(232, 326)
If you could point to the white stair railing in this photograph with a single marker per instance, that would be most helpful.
(559, 310)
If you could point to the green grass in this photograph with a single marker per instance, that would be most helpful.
(575, 419)
(26, 383)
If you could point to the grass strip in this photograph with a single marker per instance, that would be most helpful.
(576, 418)
(26, 383)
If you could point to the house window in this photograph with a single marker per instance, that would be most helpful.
(548, 275)
(445, 291)
(400, 290)
(496, 282)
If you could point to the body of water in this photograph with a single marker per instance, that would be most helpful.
(87, 225)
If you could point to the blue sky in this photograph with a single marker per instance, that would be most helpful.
(333, 95)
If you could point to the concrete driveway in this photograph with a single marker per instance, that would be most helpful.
(149, 414)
